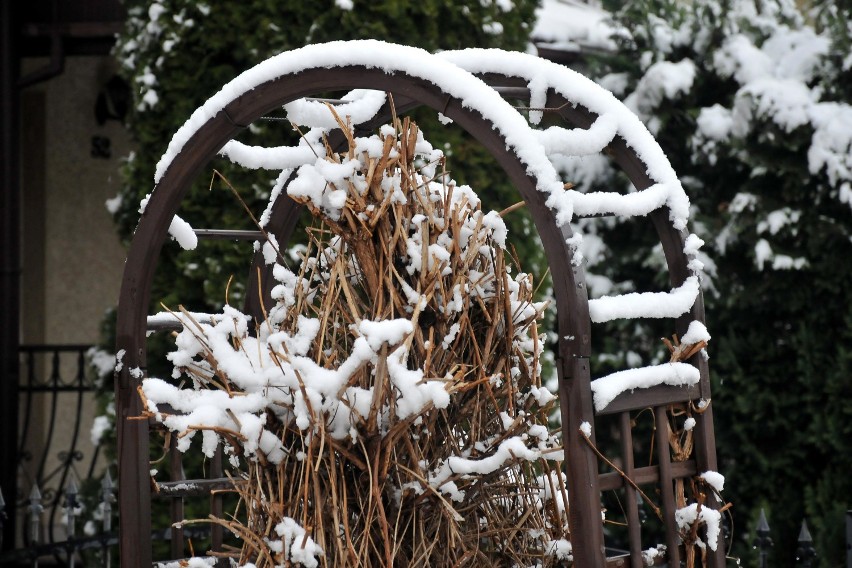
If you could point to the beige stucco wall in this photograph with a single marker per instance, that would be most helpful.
(72, 259)
(82, 258)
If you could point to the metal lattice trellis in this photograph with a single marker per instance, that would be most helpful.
(585, 483)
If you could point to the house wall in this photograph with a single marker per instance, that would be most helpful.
(72, 270)
(72, 260)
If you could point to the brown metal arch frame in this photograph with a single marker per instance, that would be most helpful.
(202, 146)
(673, 242)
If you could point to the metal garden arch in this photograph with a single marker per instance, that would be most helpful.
(428, 82)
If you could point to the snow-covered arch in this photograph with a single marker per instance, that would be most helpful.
(445, 83)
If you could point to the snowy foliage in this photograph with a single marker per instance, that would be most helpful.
(751, 100)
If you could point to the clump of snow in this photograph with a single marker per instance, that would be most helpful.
(183, 233)
(664, 80)
(561, 550)
(646, 304)
(298, 548)
(119, 360)
(100, 426)
(695, 333)
(570, 25)
(651, 555)
(710, 518)
(715, 479)
(605, 389)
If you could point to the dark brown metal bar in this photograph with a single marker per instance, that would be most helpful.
(585, 511)
(193, 487)
(666, 485)
(229, 235)
(216, 502)
(647, 475)
(176, 506)
(658, 395)
(634, 526)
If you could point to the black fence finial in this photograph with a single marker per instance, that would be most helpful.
(71, 504)
(806, 553)
(36, 509)
(762, 542)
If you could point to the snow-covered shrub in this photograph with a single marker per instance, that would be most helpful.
(389, 410)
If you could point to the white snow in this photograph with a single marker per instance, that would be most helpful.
(194, 562)
(711, 519)
(579, 89)
(391, 332)
(278, 158)
(646, 304)
(662, 80)
(391, 59)
(695, 333)
(361, 105)
(570, 25)
(715, 479)
(298, 548)
(605, 389)
(183, 233)
(100, 426)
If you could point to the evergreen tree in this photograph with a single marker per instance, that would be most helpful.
(177, 53)
(751, 101)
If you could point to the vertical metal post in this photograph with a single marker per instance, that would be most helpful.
(177, 504)
(10, 269)
(762, 542)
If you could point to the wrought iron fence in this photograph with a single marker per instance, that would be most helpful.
(90, 547)
(56, 398)
(64, 552)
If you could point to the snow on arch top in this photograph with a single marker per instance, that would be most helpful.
(473, 93)
(614, 119)
(453, 73)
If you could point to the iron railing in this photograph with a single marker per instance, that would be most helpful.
(54, 392)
